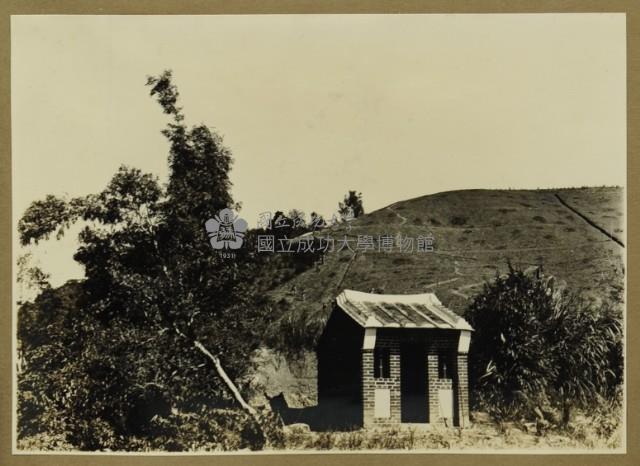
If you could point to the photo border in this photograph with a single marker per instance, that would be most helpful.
(188, 7)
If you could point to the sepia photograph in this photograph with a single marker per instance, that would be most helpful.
(319, 233)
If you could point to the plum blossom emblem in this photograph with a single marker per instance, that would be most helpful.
(226, 230)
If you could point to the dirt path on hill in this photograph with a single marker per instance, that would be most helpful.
(403, 220)
(588, 220)
(346, 271)
(443, 282)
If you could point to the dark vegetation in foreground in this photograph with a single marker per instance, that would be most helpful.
(539, 352)
(546, 369)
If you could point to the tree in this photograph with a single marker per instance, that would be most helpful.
(153, 284)
(535, 346)
(30, 278)
(298, 220)
(352, 206)
(317, 221)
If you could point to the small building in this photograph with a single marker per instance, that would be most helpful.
(390, 359)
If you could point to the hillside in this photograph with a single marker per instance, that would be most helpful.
(577, 235)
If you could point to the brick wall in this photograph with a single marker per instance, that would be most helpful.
(392, 383)
(462, 372)
(432, 379)
(435, 343)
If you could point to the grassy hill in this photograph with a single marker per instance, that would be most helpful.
(577, 235)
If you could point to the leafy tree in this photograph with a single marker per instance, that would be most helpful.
(298, 219)
(288, 225)
(281, 224)
(536, 346)
(164, 318)
(352, 204)
(317, 221)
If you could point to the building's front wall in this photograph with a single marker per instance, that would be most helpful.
(382, 396)
(370, 384)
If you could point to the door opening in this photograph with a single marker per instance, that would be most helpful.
(414, 395)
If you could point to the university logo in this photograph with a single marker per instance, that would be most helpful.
(226, 230)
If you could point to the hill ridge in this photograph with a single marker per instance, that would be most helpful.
(476, 234)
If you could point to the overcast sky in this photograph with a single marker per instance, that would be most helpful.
(394, 106)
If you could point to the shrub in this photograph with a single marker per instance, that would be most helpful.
(607, 417)
(458, 220)
(324, 441)
(401, 260)
(216, 429)
(351, 441)
(537, 348)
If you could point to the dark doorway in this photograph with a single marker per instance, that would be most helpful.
(414, 400)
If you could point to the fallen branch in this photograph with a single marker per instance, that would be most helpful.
(223, 375)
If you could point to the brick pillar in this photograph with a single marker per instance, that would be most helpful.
(394, 384)
(368, 387)
(463, 389)
(432, 381)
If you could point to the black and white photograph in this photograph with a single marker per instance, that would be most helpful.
(319, 233)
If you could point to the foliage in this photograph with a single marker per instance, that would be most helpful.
(288, 225)
(458, 220)
(317, 221)
(607, 417)
(125, 352)
(536, 346)
(218, 429)
(296, 330)
(352, 204)
(30, 278)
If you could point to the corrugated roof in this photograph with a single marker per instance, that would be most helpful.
(399, 311)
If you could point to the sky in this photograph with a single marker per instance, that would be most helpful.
(311, 106)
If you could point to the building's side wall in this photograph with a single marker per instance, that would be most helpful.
(339, 374)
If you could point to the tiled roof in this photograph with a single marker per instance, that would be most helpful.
(399, 311)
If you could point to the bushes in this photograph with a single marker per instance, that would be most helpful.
(458, 220)
(607, 417)
(89, 385)
(220, 429)
(217, 429)
(539, 352)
